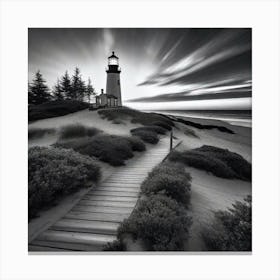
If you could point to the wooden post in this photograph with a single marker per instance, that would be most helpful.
(171, 139)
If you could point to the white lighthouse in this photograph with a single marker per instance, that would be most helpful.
(113, 86)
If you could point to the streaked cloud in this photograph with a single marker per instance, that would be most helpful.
(159, 66)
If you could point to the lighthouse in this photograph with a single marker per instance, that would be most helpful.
(113, 86)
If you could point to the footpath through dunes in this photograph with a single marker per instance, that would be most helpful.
(94, 220)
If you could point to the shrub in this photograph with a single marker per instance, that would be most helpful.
(147, 136)
(54, 109)
(154, 128)
(108, 148)
(169, 179)
(190, 132)
(232, 229)
(134, 116)
(116, 245)
(220, 162)
(137, 144)
(160, 222)
(163, 125)
(39, 132)
(54, 173)
(77, 130)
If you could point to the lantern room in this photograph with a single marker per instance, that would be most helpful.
(113, 59)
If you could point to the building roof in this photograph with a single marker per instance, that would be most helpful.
(108, 95)
(112, 96)
(113, 55)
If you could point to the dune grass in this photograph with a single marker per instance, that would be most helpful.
(134, 116)
(162, 124)
(171, 180)
(108, 148)
(160, 222)
(204, 126)
(231, 229)
(53, 173)
(150, 137)
(54, 109)
(153, 128)
(34, 133)
(220, 162)
(77, 130)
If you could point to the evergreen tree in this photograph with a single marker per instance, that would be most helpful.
(57, 91)
(66, 86)
(38, 92)
(78, 86)
(89, 91)
(31, 98)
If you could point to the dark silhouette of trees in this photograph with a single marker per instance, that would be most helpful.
(38, 91)
(89, 91)
(57, 91)
(66, 86)
(78, 86)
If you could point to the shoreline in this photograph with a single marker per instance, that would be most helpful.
(242, 122)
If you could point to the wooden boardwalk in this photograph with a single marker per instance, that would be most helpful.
(94, 220)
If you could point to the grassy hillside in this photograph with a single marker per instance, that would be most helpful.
(54, 109)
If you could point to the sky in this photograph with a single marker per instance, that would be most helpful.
(161, 69)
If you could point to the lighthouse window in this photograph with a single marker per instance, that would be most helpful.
(118, 82)
(113, 61)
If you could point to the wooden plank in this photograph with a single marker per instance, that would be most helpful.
(101, 209)
(76, 237)
(123, 193)
(86, 226)
(106, 217)
(37, 248)
(117, 189)
(68, 246)
(119, 198)
(107, 203)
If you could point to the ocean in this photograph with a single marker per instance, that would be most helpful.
(237, 118)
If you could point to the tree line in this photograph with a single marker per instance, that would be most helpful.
(66, 88)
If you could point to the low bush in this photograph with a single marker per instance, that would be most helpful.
(153, 128)
(190, 132)
(147, 136)
(220, 162)
(137, 144)
(160, 222)
(134, 116)
(54, 109)
(108, 148)
(116, 245)
(54, 173)
(163, 125)
(77, 130)
(34, 133)
(232, 229)
(169, 179)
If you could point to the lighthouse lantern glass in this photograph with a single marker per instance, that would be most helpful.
(113, 61)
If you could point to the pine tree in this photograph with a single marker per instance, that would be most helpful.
(38, 90)
(78, 86)
(66, 86)
(31, 98)
(89, 91)
(57, 91)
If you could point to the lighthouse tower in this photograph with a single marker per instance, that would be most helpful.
(113, 86)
